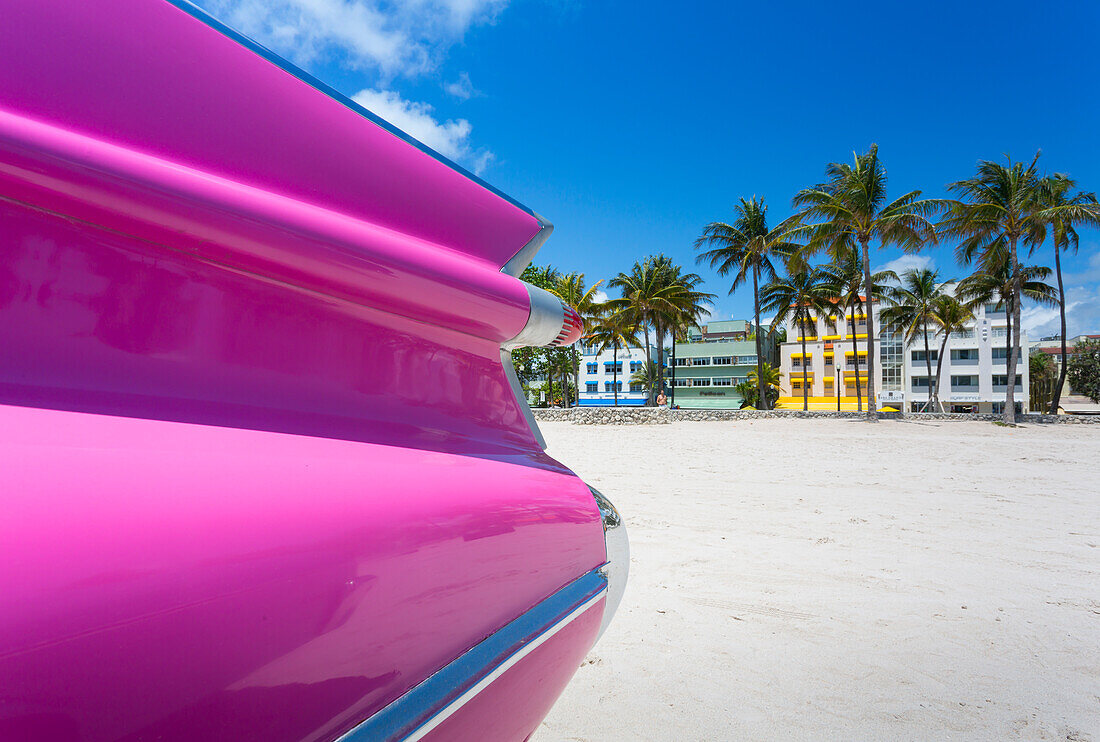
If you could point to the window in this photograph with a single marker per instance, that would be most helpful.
(637, 388)
(964, 335)
(609, 367)
(746, 360)
(700, 361)
(593, 367)
(918, 356)
(683, 382)
(700, 382)
(995, 308)
(592, 387)
(1000, 354)
(635, 366)
(1002, 380)
(722, 381)
(964, 354)
(722, 360)
(1000, 332)
(796, 386)
(612, 386)
(999, 407)
(921, 383)
(964, 382)
(683, 361)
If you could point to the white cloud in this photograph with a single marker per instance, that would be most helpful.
(906, 262)
(600, 296)
(1090, 273)
(462, 88)
(395, 38)
(1082, 314)
(451, 138)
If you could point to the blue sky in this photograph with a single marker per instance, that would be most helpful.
(630, 125)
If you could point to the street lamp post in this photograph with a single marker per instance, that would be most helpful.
(838, 387)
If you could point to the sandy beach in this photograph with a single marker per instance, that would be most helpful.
(835, 580)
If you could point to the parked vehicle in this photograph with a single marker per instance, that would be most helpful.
(264, 471)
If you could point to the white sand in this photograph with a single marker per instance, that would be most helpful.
(810, 579)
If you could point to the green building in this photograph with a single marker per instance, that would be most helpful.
(717, 357)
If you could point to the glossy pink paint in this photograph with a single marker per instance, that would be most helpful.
(145, 75)
(176, 581)
(525, 692)
(262, 468)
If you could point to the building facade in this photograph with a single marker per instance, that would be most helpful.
(598, 376)
(831, 367)
(973, 376)
(717, 357)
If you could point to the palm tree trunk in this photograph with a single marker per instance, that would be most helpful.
(855, 358)
(672, 389)
(615, 373)
(648, 360)
(938, 406)
(763, 401)
(872, 412)
(659, 332)
(1056, 398)
(805, 389)
(1010, 394)
(576, 374)
(928, 366)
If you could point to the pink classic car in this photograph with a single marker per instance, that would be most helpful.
(265, 474)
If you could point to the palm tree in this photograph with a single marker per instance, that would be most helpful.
(998, 208)
(646, 376)
(948, 316)
(844, 276)
(685, 308)
(771, 376)
(1042, 374)
(803, 296)
(570, 289)
(747, 246)
(911, 309)
(852, 210)
(992, 283)
(657, 294)
(614, 331)
(1062, 212)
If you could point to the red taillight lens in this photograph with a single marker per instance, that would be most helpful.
(571, 328)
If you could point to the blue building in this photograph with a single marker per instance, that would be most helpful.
(598, 377)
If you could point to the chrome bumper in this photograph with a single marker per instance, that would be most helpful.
(617, 566)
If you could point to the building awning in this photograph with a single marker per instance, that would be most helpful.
(799, 355)
(851, 353)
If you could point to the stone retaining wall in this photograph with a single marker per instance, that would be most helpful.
(663, 416)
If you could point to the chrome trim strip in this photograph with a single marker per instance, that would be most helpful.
(427, 705)
(521, 398)
(187, 6)
(519, 262)
(617, 567)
